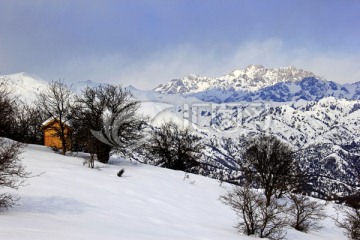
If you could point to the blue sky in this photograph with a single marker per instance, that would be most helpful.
(145, 43)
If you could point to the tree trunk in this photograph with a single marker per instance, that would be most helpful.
(103, 152)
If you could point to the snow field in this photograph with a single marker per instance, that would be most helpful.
(70, 201)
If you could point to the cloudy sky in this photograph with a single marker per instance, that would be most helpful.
(148, 42)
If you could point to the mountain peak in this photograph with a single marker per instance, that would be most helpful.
(252, 78)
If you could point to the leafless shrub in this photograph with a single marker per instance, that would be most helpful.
(305, 213)
(351, 221)
(12, 173)
(256, 216)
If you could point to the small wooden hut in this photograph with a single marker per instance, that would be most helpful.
(51, 129)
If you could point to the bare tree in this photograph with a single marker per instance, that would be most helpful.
(304, 213)
(270, 164)
(173, 147)
(106, 118)
(12, 173)
(7, 112)
(256, 216)
(55, 102)
(242, 201)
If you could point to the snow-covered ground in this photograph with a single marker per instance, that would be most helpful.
(70, 201)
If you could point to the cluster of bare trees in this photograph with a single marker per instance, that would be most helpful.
(19, 121)
(102, 118)
(108, 110)
(269, 165)
(271, 196)
(7, 110)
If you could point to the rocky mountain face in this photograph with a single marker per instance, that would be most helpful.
(310, 88)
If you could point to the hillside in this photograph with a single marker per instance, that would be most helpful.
(71, 201)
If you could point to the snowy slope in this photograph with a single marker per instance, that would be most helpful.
(25, 86)
(152, 96)
(70, 201)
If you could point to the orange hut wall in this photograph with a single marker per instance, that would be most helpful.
(50, 137)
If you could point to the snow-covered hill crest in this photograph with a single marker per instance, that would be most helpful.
(25, 86)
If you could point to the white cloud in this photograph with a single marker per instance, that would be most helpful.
(174, 62)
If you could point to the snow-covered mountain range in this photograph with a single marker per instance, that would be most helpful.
(259, 83)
